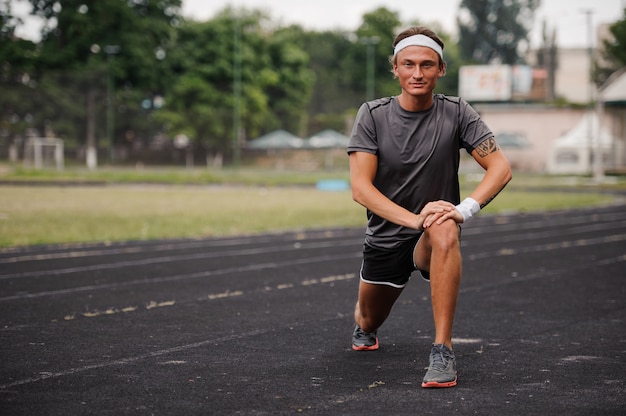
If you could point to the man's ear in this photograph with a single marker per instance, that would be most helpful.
(442, 70)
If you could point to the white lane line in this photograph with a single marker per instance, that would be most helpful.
(469, 257)
(176, 278)
(297, 245)
(541, 274)
(129, 360)
(557, 224)
(94, 313)
(182, 257)
(211, 296)
(560, 245)
(45, 375)
(224, 295)
(100, 249)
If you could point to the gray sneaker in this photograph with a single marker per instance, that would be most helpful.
(364, 341)
(442, 369)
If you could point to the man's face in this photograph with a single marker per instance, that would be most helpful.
(417, 69)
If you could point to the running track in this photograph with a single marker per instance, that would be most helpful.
(261, 325)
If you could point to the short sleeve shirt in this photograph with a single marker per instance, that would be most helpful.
(418, 156)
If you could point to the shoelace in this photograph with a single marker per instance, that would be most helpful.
(440, 359)
(365, 335)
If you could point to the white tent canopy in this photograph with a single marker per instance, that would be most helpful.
(328, 139)
(572, 153)
(278, 139)
(614, 89)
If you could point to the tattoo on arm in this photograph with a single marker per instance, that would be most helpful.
(484, 204)
(487, 146)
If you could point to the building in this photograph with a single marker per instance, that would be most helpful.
(528, 114)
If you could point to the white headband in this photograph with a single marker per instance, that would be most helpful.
(418, 40)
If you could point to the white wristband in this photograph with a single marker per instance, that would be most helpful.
(468, 208)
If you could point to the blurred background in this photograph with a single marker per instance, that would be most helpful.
(138, 83)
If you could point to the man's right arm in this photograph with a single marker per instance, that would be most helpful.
(363, 168)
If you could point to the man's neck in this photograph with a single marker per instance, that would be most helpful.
(415, 103)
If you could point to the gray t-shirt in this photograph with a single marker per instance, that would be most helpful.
(418, 155)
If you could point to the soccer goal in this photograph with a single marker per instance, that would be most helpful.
(42, 151)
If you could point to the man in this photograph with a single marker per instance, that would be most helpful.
(404, 160)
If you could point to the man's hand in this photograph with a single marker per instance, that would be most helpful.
(437, 212)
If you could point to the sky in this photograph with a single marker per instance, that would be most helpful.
(567, 17)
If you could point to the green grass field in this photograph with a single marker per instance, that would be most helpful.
(148, 206)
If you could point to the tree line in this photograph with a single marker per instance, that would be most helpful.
(120, 74)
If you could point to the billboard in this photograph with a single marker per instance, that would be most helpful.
(486, 82)
(495, 82)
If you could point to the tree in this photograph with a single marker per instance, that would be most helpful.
(292, 90)
(494, 31)
(341, 62)
(82, 45)
(380, 24)
(613, 51)
(275, 80)
(17, 61)
(200, 100)
(143, 31)
(332, 60)
(290, 78)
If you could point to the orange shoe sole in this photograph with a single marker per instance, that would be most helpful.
(365, 347)
(435, 384)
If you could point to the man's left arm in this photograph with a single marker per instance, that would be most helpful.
(497, 171)
(497, 175)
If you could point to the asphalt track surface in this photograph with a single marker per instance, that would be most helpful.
(261, 325)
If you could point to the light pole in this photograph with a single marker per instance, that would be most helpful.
(110, 51)
(370, 42)
(92, 152)
(237, 93)
(592, 157)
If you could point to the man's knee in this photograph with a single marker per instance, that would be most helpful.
(445, 235)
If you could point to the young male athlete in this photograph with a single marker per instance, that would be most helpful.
(404, 161)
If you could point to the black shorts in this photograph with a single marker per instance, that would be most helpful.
(391, 267)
